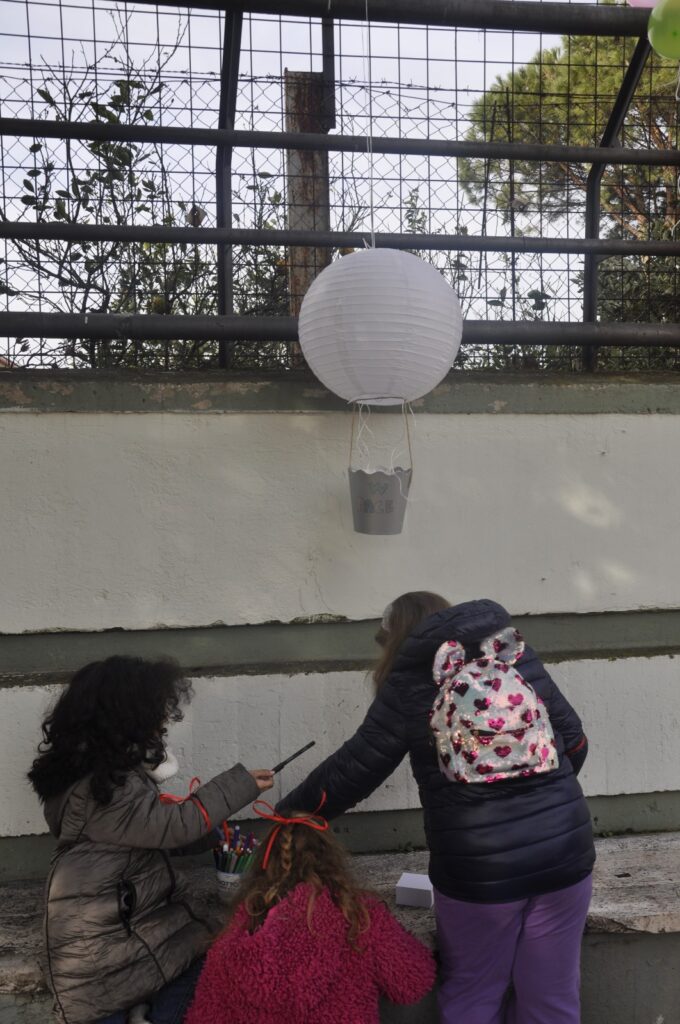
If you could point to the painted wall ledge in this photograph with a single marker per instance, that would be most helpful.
(34, 658)
(28, 857)
(636, 890)
(463, 392)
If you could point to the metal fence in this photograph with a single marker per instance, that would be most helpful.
(192, 169)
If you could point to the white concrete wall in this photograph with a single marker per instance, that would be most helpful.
(136, 521)
(629, 709)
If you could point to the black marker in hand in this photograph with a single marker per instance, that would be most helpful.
(282, 764)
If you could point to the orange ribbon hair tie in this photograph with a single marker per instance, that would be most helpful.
(314, 821)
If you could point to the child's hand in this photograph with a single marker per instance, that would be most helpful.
(264, 778)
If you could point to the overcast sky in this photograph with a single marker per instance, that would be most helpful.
(396, 53)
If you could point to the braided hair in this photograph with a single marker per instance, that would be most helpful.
(302, 855)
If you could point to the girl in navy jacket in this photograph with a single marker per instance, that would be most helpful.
(510, 861)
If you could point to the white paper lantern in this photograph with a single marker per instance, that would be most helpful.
(380, 326)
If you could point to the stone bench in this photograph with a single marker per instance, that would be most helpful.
(631, 952)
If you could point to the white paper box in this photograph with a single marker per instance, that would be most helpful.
(414, 891)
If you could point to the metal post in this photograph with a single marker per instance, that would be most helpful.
(609, 138)
(328, 72)
(233, 24)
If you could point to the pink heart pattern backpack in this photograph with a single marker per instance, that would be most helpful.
(488, 722)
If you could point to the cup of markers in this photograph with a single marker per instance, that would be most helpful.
(233, 854)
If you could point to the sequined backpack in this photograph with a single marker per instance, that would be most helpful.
(488, 722)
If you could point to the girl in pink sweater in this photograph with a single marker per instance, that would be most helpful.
(304, 943)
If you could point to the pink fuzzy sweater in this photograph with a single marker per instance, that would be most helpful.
(290, 973)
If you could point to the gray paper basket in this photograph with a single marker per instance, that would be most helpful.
(379, 500)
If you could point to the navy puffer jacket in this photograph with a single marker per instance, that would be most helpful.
(489, 843)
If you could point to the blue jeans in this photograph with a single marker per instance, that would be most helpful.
(170, 1003)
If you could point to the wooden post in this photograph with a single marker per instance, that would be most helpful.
(308, 201)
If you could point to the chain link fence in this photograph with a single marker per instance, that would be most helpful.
(121, 64)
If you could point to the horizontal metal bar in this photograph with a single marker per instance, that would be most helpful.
(524, 16)
(98, 131)
(151, 327)
(58, 231)
(148, 327)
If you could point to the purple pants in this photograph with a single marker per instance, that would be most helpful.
(533, 944)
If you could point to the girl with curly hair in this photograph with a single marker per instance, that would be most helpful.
(119, 925)
(305, 943)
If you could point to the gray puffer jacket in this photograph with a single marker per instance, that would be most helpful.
(119, 924)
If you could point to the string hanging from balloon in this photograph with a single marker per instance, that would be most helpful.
(368, 76)
(677, 177)
(371, 454)
(379, 327)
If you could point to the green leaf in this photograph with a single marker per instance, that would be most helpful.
(29, 200)
(29, 185)
(148, 115)
(46, 96)
(35, 173)
(104, 112)
(35, 147)
(63, 193)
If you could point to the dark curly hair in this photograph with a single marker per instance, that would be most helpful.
(111, 717)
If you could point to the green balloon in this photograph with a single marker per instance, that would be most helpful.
(664, 29)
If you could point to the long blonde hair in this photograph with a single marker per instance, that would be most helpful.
(403, 615)
(300, 854)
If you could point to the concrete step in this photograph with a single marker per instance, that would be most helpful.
(631, 948)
